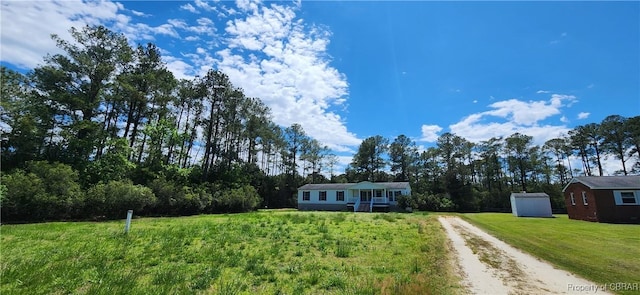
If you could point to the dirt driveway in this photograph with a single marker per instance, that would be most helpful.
(490, 266)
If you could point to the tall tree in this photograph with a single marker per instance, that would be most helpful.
(632, 127)
(518, 147)
(491, 163)
(558, 146)
(27, 121)
(314, 153)
(144, 85)
(216, 88)
(79, 82)
(331, 162)
(403, 154)
(369, 159)
(593, 132)
(580, 143)
(616, 138)
(295, 139)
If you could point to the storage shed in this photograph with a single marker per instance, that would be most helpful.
(530, 205)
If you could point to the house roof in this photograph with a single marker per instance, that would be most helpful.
(359, 185)
(607, 182)
(529, 195)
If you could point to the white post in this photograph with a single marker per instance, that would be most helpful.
(127, 225)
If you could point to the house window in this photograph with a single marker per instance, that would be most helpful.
(573, 199)
(393, 196)
(584, 198)
(323, 195)
(378, 194)
(340, 196)
(306, 196)
(628, 198)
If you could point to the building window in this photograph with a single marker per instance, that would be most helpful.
(573, 199)
(323, 195)
(340, 196)
(628, 198)
(306, 196)
(584, 198)
(378, 194)
(393, 196)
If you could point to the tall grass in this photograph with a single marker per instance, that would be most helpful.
(253, 253)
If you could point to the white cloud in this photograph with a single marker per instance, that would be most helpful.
(543, 91)
(138, 13)
(26, 36)
(275, 56)
(179, 68)
(583, 115)
(430, 133)
(268, 51)
(510, 116)
(204, 5)
(189, 7)
(529, 113)
(564, 119)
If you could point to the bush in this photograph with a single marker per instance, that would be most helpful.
(242, 199)
(22, 196)
(114, 198)
(45, 191)
(176, 199)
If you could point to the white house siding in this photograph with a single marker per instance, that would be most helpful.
(351, 193)
(531, 205)
(330, 204)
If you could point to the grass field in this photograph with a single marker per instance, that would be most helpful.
(268, 252)
(603, 253)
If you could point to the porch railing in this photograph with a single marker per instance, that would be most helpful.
(371, 205)
(380, 200)
(356, 205)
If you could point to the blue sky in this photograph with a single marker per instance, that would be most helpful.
(347, 70)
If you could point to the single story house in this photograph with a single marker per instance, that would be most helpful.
(530, 205)
(360, 197)
(612, 199)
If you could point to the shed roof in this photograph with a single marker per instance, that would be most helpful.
(529, 195)
(607, 182)
(361, 185)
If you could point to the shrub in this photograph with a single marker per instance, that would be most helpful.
(45, 191)
(23, 193)
(114, 198)
(242, 199)
(176, 199)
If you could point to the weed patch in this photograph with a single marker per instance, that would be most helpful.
(268, 252)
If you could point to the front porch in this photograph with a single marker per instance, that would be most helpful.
(371, 199)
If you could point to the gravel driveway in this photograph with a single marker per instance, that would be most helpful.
(490, 266)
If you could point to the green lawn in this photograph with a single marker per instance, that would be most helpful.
(268, 252)
(602, 253)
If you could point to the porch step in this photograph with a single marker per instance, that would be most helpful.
(364, 207)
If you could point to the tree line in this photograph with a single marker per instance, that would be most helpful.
(460, 175)
(104, 127)
(105, 124)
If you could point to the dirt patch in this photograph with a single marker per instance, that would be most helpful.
(490, 266)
